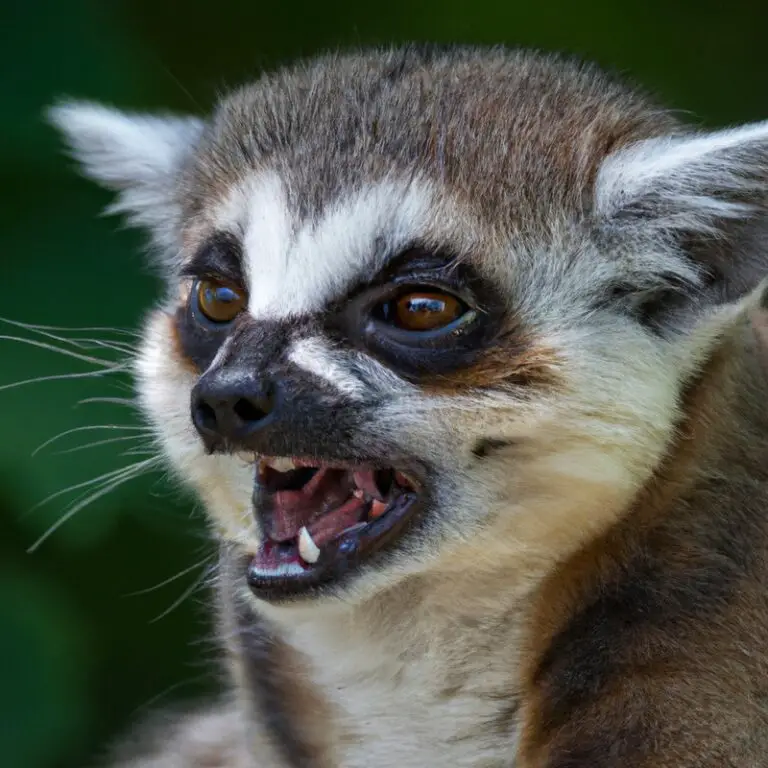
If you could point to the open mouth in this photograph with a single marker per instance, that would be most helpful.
(321, 521)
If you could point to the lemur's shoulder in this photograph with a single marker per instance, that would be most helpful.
(637, 651)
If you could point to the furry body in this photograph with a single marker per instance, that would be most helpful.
(585, 584)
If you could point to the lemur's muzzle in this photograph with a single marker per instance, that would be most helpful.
(325, 500)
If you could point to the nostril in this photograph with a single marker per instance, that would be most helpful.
(256, 407)
(248, 410)
(205, 416)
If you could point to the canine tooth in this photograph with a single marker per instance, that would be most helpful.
(308, 550)
(281, 464)
(249, 457)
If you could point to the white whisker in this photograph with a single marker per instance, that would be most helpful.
(117, 346)
(100, 442)
(123, 427)
(81, 344)
(58, 377)
(151, 703)
(137, 470)
(66, 352)
(112, 400)
(139, 452)
(171, 579)
(197, 584)
(49, 335)
(106, 477)
(123, 348)
(73, 329)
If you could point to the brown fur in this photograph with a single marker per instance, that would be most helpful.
(656, 697)
(517, 362)
(282, 694)
(177, 348)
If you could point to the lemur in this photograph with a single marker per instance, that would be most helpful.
(458, 349)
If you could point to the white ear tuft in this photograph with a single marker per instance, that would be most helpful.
(138, 156)
(687, 182)
(121, 149)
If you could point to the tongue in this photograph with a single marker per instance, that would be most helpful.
(290, 512)
(326, 495)
(329, 526)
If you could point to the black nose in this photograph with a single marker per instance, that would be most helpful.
(229, 407)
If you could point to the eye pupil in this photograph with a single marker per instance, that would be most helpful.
(425, 311)
(219, 302)
(425, 304)
(224, 294)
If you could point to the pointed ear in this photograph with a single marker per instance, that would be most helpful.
(137, 156)
(703, 196)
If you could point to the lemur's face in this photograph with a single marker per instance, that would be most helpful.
(424, 311)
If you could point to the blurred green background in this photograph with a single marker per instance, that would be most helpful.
(81, 653)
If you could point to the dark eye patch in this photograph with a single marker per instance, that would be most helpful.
(198, 341)
(480, 344)
(220, 260)
(457, 344)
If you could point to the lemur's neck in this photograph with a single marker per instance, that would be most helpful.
(687, 559)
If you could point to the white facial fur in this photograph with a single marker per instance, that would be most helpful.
(283, 257)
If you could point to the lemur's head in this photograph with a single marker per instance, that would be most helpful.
(428, 313)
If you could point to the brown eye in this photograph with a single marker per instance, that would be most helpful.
(425, 311)
(219, 302)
